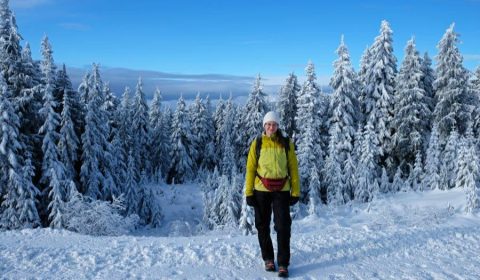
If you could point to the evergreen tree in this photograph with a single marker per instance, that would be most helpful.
(249, 125)
(344, 102)
(476, 81)
(29, 217)
(182, 165)
(17, 208)
(84, 90)
(367, 171)
(379, 91)
(333, 169)
(432, 162)
(150, 210)
(426, 81)
(246, 221)
(131, 186)
(308, 120)
(398, 182)
(451, 87)
(29, 103)
(287, 104)
(342, 122)
(411, 118)
(68, 143)
(110, 106)
(364, 83)
(140, 129)
(124, 116)
(384, 184)
(348, 178)
(159, 139)
(53, 171)
(202, 132)
(417, 173)
(227, 163)
(315, 202)
(10, 49)
(95, 147)
(468, 176)
(218, 119)
(449, 167)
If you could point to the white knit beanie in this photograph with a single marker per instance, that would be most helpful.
(271, 117)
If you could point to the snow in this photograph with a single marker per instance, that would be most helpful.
(397, 236)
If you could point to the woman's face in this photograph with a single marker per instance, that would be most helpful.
(270, 128)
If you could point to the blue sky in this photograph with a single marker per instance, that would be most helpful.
(237, 37)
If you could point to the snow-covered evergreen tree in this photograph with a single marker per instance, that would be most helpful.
(455, 99)
(449, 159)
(249, 125)
(314, 201)
(29, 217)
(349, 178)
(332, 172)
(379, 91)
(363, 82)
(287, 104)
(384, 183)
(412, 111)
(398, 182)
(426, 81)
(417, 173)
(218, 118)
(159, 139)
(53, 171)
(202, 132)
(432, 162)
(95, 147)
(227, 202)
(140, 129)
(246, 222)
(468, 175)
(10, 49)
(227, 162)
(68, 143)
(182, 163)
(209, 187)
(131, 186)
(149, 206)
(367, 171)
(29, 103)
(344, 103)
(309, 149)
(342, 123)
(17, 205)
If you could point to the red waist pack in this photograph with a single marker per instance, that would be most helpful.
(273, 185)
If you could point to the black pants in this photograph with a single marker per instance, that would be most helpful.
(279, 202)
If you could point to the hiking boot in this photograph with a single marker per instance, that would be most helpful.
(283, 271)
(269, 265)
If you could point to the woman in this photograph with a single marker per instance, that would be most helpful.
(272, 184)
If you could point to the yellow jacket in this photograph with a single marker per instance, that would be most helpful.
(272, 165)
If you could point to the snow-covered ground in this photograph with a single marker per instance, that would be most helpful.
(401, 236)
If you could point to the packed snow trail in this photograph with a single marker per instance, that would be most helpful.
(402, 236)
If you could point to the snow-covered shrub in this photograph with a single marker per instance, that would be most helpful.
(97, 217)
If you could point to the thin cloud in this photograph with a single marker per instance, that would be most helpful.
(471, 57)
(28, 4)
(75, 26)
(171, 85)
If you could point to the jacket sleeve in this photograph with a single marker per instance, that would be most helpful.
(293, 171)
(251, 169)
